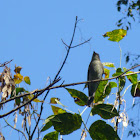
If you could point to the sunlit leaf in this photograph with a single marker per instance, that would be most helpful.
(106, 111)
(108, 64)
(79, 97)
(66, 123)
(53, 100)
(35, 100)
(51, 136)
(18, 78)
(57, 110)
(103, 90)
(99, 130)
(27, 80)
(106, 72)
(131, 78)
(116, 35)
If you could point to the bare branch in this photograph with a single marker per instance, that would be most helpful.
(5, 63)
(15, 129)
(82, 43)
(56, 76)
(76, 45)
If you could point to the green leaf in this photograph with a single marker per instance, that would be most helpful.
(19, 90)
(57, 110)
(135, 90)
(66, 123)
(48, 123)
(116, 35)
(79, 97)
(106, 111)
(108, 64)
(132, 78)
(51, 136)
(99, 94)
(99, 130)
(103, 90)
(27, 80)
(108, 88)
(17, 101)
(122, 80)
(121, 83)
(118, 72)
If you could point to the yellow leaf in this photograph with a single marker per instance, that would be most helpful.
(116, 35)
(106, 72)
(18, 78)
(57, 110)
(35, 100)
(27, 80)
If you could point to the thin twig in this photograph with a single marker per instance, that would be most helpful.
(76, 45)
(5, 63)
(55, 77)
(15, 129)
(81, 43)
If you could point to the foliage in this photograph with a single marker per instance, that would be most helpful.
(131, 10)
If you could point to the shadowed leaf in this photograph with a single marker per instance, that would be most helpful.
(51, 136)
(135, 90)
(99, 130)
(79, 97)
(106, 111)
(48, 123)
(66, 123)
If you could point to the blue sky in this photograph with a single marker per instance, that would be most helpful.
(31, 33)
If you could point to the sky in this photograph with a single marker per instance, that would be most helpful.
(31, 33)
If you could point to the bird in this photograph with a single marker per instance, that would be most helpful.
(95, 71)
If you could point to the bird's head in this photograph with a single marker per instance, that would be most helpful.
(95, 56)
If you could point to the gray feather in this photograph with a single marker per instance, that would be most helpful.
(95, 71)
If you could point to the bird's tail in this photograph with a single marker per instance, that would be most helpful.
(90, 101)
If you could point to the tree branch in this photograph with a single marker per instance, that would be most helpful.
(5, 63)
(15, 129)
(47, 88)
(66, 85)
(55, 77)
